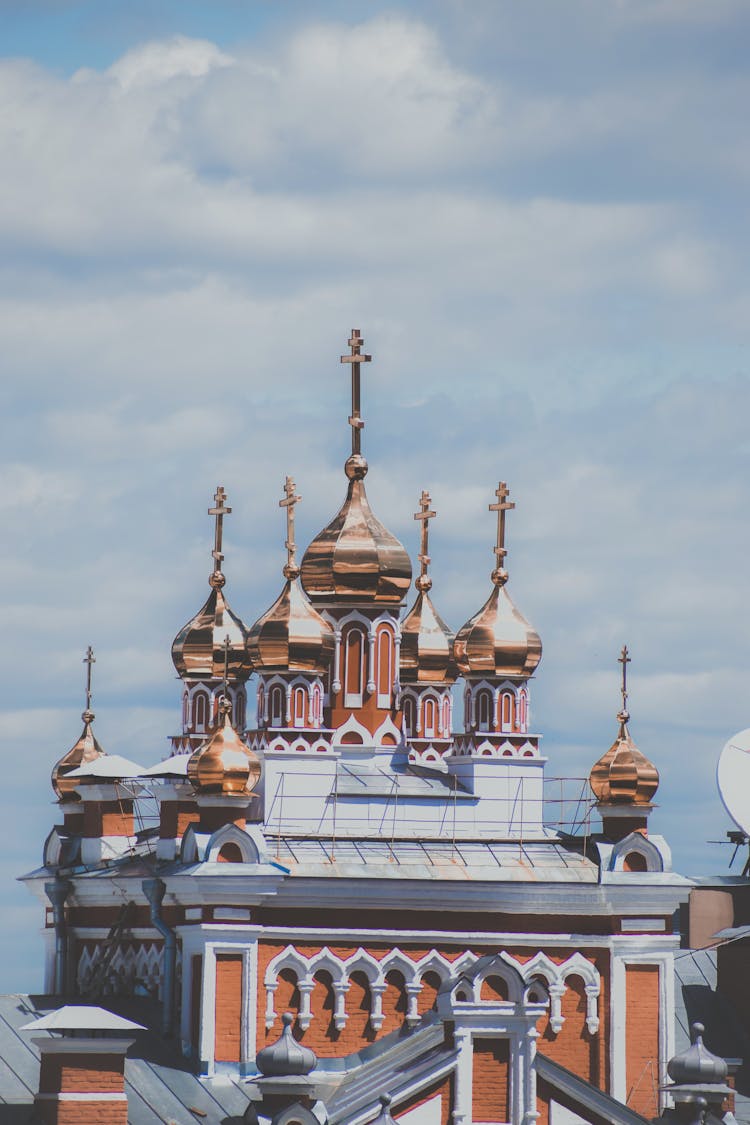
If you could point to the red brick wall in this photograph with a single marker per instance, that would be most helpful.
(642, 1038)
(82, 1074)
(228, 1006)
(82, 1113)
(489, 1098)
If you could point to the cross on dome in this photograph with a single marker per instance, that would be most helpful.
(219, 510)
(290, 502)
(624, 659)
(502, 506)
(88, 660)
(356, 358)
(424, 515)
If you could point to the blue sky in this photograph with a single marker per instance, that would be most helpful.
(537, 214)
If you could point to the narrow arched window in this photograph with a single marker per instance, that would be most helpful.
(276, 706)
(317, 706)
(506, 711)
(185, 709)
(429, 718)
(354, 667)
(484, 710)
(446, 731)
(261, 706)
(299, 701)
(200, 708)
(239, 707)
(523, 711)
(409, 713)
(385, 647)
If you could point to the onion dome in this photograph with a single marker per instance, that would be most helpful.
(286, 1057)
(697, 1066)
(355, 558)
(624, 775)
(426, 641)
(198, 648)
(224, 764)
(498, 642)
(86, 749)
(291, 636)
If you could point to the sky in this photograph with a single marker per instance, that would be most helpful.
(537, 215)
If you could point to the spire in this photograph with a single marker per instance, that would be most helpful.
(220, 509)
(356, 466)
(86, 749)
(624, 715)
(424, 582)
(290, 502)
(499, 574)
(88, 660)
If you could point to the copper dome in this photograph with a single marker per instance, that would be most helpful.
(497, 641)
(355, 558)
(86, 749)
(198, 650)
(224, 764)
(291, 636)
(624, 775)
(426, 645)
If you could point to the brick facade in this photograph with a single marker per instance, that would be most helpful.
(228, 1006)
(642, 1038)
(490, 1084)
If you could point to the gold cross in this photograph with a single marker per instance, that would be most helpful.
(290, 502)
(220, 510)
(89, 659)
(357, 356)
(425, 515)
(624, 659)
(503, 505)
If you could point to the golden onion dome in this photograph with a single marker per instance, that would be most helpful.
(426, 641)
(224, 764)
(624, 775)
(86, 749)
(498, 641)
(291, 636)
(199, 650)
(355, 558)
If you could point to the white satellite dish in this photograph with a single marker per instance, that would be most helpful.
(733, 779)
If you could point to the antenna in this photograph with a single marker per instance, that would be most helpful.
(733, 783)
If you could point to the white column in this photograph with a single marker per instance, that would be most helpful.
(304, 1019)
(207, 1036)
(397, 669)
(463, 1085)
(371, 662)
(336, 685)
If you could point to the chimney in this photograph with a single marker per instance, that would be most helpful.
(82, 1076)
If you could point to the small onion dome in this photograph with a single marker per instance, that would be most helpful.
(224, 764)
(623, 775)
(198, 648)
(291, 636)
(384, 1117)
(697, 1066)
(426, 642)
(86, 749)
(498, 641)
(286, 1056)
(355, 557)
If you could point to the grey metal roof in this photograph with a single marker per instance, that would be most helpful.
(602, 1105)
(159, 1087)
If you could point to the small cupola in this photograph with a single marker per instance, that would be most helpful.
(224, 764)
(86, 749)
(286, 1057)
(498, 642)
(426, 641)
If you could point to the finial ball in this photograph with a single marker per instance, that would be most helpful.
(291, 571)
(356, 467)
(216, 580)
(287, 1019)
(423, 583)
(499, 576)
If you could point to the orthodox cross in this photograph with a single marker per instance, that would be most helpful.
(503, 505)
(220, 510)
(624, 659)
(425, 515)
(89, 659)
(357, 356)
(290, 501)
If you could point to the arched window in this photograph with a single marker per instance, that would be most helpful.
(446, 731)
(239, 704)
(634, 861)
(200, 708)
(384, 650)
(299, 703)
(484, 710)
(317, 706)
(523, 710)
(506, 711)
(185, 709)
(354, 667)
(429, 718)
(410, 718)
(276, 706)
(261, 706)
(229, 853)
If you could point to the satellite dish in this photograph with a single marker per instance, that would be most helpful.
(733, 779)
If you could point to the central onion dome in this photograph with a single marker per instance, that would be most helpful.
(355, 557)
(199, 649)
(291, 636)
(498, 641)
(224, 764)
(624, 775)
(426, 641)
